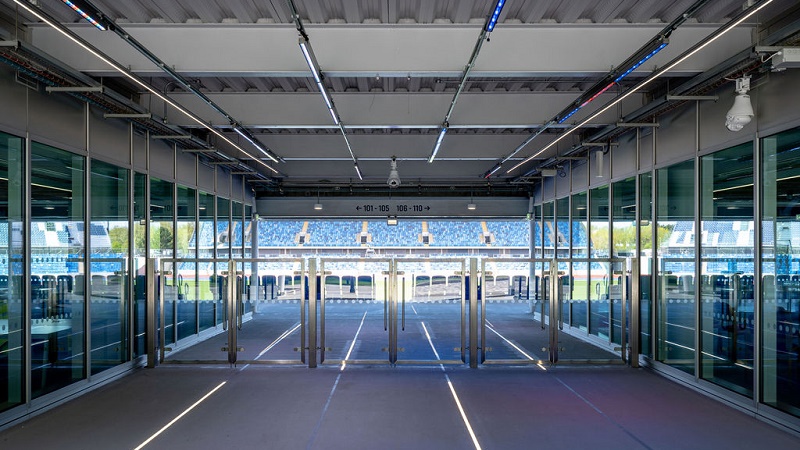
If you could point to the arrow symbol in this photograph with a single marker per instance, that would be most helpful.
(427, 208)
(358, 208)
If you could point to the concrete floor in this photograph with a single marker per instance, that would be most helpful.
(268, 407)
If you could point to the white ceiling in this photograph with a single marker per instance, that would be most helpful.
(392, 67)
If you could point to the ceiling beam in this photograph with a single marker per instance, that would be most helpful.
(438, 51)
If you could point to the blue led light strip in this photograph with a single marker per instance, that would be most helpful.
(642, 61)
(495, 15)
(89, 18)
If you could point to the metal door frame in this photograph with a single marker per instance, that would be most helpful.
(551, 290)
(394, 312)
(232, 310)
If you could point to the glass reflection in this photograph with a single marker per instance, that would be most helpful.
(676, 266)
(109, 266)
(727, 241)
(780, 302)
(57, 268)
(12, 338)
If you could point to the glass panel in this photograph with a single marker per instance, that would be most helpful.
(222, 232)
(236, 229)
(12, 338)
(579, 294)
(548, 230)
(563, 239)
(162, 243)
(599, 276)
(355, 300)
(429, 296)
(781, 272)
(645, 263)
(186, 289)
(110, 279)
(676, 266)
(209, 307)
(727, 303)
(57, 237)
(514, 328)
(623, 220)
(247, 236)
(140, 262)
(537, 231)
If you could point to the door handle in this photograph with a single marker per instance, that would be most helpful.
(385, 304)
(404, 306)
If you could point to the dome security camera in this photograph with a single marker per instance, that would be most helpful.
(394, 177)
(741, 113)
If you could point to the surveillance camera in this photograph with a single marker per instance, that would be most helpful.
(394, 176)
(740, 114)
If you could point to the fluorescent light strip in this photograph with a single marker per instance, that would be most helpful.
(442, 132)
(138, 81)
(186, 411)
(89, 18)
(647, 81)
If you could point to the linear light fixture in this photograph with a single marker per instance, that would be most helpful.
(498, 7)
(592, 94)
(439, 140)
(83, 14)
(733, 23)
(488, 26)
(319, 77)
(44, 17)
(111, 25)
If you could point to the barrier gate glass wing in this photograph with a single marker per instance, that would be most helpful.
(378, 311)
(538, 310)
(243, 311)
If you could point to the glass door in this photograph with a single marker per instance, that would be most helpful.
(355, 310)
(536, 311)
(429, 308)
(235, 312)
(515, 311)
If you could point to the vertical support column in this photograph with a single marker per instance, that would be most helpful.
(150, 311)
(232, 307)
(473, 313)
(312, 315)
(553, 316)
(635, 299)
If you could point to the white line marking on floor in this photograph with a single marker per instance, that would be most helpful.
(530, 358)
(353, 344)
(186, 411)
(278, 340)
(453, 392)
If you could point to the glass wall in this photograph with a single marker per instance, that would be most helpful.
(162, 244)
(780, 266)
(185, 286)
(726, 264)
(205, 237)
(139, 262)
(580, 270)
(599, 274)
(57, 267)
(222, 232)
(548, 230)
(623, 245)
(645, 263)
(12, 337)
(676, 265)
(109, 236)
